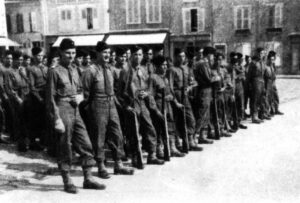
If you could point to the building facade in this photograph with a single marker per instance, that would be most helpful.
(41, 22)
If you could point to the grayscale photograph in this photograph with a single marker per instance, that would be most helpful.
(137, 101)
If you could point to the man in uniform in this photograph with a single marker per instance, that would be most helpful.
(36, 120)
(98, 86)
(134, 93)
(17, 88)
(63, 97)
(148, 62)
(204, 77)
(256, 81)
(162, 93)
(181, 81)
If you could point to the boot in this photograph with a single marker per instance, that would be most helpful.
(69, 187)
(135, 164)
(174, 151)
(277, 112)
(152, 159)
(255, 119)
(160, 152)
(120, 169)
(193, 145)
(102, 172)
(89, 182)
(203, 140)
(241, 126)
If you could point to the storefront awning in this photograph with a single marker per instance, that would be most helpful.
(86, 40)
(5, 42)
(131, 39)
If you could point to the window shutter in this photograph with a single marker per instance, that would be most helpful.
(20, 24)
(83, 13)
(63, 15)
(245, 18)
(201, 19)
(186, 20)
(33, 22)
(249, 17)
(278, 15)
(271, 16)
(8, 23)
(69, 16)
(238, 18)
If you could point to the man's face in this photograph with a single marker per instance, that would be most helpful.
(8, 60)
(261, 54)
(39, 57)
(138, 56)
(181, 57)
(68, 55)
(160, 52)
(122, 59)
(128, 53)
(200, 53)
(113, 56)
(219, 60)
(79, 60)
(55, 61)
(164, 67)
(27, 62)
(87, 60)
(150, 55)
(104, 55)
(272, 59)
(19, 61)
(211, 59)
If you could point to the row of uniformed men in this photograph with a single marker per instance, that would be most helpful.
(134, 96)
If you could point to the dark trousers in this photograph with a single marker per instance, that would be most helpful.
(144, 126)
(189, 115)
(256, 97)
(275, 96)
(204, 97)
(240, 100)
(75, 137)
(105, 128)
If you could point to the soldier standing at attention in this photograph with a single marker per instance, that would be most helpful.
(256, 81)
(134, 93)
(63, 97)
(17, 88)
(98, 86)
(181, 79)
(37, 114)
(204, 77)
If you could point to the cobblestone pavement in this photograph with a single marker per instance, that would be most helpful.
(260, 164)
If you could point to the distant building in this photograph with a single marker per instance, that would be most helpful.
(41, 22)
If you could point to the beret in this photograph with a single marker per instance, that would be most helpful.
(136, 48)
(17, 55)
(36, 50)
(239, 55)
(157, 61)
(120, 51)
(79, 53)
(208, 50)
(271, 54)
(259, 49)
(26, 57)
(101, 46)
(67, 43)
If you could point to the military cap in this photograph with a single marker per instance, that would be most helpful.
(178, 51)
(101, 46)
(157, 61)
(271, 54)
(67, 43)
(208, 50)
(17, 54)
(136, 48)
(79, 53)
(232, 54)
(259, 49)
(36, 50)
(26, 57)
(8, 52)
(239, 55)
(120, 51)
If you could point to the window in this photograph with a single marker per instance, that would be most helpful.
(221, 48)
(133, 12)
(8, 23)
(242, 17)
(275, 16)
(153, 11)
(89, 15)
(66, 15)
(32, 22)
(20, 23)
(193, 20)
